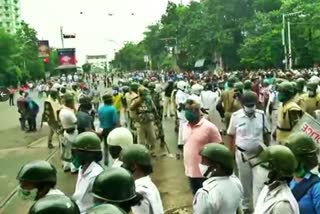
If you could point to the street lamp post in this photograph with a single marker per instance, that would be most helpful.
(288, 56)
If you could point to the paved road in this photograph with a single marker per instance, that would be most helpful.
(168, 175)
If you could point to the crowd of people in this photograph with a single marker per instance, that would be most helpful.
(255, 163)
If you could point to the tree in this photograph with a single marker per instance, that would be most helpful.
(86, 67)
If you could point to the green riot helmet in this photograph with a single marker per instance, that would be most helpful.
(294, 85)
(152, 86)
(304, 148)
(87, 141)
(265, 82)
(54, 204)
(232, 80)
(106, 209)
(145, 83)
(218, 153)
(247, 85)
(134, 86)
(279, 160)
(115, 185)
(136, 154)
(68, 99)
(238, 87)
(300, 84)
(249, 99)
(125, 89)
(286, 91)
(37, 171)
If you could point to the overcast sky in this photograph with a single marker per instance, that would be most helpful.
(95, 27)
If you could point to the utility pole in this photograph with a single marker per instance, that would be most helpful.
(61, 34)
(284, 41)
(289, 46)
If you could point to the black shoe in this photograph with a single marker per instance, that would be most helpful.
(50, 146)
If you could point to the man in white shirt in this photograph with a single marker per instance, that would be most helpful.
(249, 130)
(180, 99)
(222, 192)
(87, 154)
(209, 100)
(137, 159)
(68, 121)
(276, 196)
(37, 180)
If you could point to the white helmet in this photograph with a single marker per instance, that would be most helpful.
(158, 88)
(315, 79)
(196, 89)
(181, 85)
(120, 137)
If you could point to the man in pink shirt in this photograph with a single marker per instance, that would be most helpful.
(196, 133)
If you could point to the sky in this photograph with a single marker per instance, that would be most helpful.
(96, 31)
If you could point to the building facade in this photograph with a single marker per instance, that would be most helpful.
(10, 15)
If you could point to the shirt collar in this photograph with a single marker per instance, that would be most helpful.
(275, 191)
(201, 121)
(142, 180)
(245, 115)
(89, 169)
(209, 180)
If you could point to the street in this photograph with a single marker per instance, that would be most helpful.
(18, 148)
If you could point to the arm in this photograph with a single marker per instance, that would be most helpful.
(200, 203)
(135, 103)
(266, 131)
(231, 132)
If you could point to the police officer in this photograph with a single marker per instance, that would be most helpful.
(37, 179)
(54, 204)
(227, 102)
(68, 120)
(305, 184)
(137, 159)
(106, 209)
(180, 100)
(50, 114)
(300, 90)
(157, 100)
(249, 130)
(289, 112)
(86, 152)
(96, 97)
(84, 116)
(221, 192)
(116, 186)
(247, 85)
(118, 139)
(196, 90)
(132, 95)
(276, 196)
(145, 110)
(311, 100)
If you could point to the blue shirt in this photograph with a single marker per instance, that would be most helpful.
(310, 202)
(108, 116)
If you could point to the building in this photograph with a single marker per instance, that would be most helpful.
(10, 15)
(98, 61)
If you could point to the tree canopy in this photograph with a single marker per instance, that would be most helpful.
(236, 34)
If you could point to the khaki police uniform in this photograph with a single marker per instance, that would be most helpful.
(219, 195)
(248, 133)
(285, 123)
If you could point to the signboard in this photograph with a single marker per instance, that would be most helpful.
(67, 56)
(4, 94)
(308, 125)
(96, 57)
(43, 48)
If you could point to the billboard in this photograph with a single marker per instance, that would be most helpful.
(43, 48)
(308, 125)
(67, 56)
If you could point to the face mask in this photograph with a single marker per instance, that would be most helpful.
(300, 172)
(311, 93)
(76, 161)
(249, 110)
(190, 116)
(204, 170)
(27, 195)
(282, 97)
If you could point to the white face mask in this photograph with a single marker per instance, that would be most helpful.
(203, 170)
(27, 195)
(249, 110)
